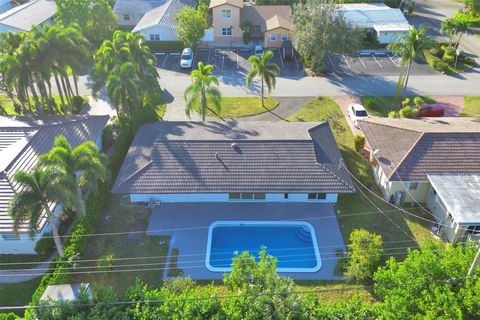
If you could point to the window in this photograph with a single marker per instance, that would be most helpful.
(234, 196)
(226, 13)
(154, 37)
(413, 186)
(126, 17)
(273, 37)
(285, 37)
(246, 196)
(317, 196)
(285, 196)
(259, 196)
(473, 229)
(226, 31)
(10, 236)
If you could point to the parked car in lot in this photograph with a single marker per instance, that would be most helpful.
(186, 59)
(356, 111)
(258, 51)
(287, 50)
(431, 110)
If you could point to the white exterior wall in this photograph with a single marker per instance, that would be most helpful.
(223, 197)
(25, 244)
(386, 37)
(132, 22)
(166, 34)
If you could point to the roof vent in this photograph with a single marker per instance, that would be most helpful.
(234, 145)
(217, 155)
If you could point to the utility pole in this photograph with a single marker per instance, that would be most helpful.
(474, 265)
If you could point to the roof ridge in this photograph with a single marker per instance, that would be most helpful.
(150, 162)
(389, 125)
(406, 156)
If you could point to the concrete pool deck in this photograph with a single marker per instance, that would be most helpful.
(188, 223)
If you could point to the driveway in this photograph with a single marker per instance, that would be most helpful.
(343, 103)
(188, 224)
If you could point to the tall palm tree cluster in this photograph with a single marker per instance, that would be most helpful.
(61, 176)
(29, 61)
(127, 68)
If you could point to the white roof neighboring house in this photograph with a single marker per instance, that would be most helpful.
(5, 5)
(23, 17)
(376, 16)
(66, 292)
(163, 16)
(136, 6)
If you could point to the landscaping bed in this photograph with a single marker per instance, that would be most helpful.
(471, 107)
(380, 106)
(238, 107)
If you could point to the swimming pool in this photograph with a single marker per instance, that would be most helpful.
(294, 244)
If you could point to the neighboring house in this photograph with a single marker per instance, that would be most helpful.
(66, 292)
(233, 162)
(130, 12)
(22, 140)
(32, 13)
(159, 24)
(5, 5)
(435, 161)
(386, 23)
(270, 24)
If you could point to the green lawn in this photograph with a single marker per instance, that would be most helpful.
(238, 107)
(120, 218)
(321, 109)
(380, 106)
(471, 107)
(7, 105)
(18, 294)
(19, 258)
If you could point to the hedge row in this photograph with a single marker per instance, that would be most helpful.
(435, 62)
(75, 244)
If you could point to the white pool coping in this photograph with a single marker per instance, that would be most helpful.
(264, 223)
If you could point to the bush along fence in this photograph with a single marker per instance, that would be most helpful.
(59, 270)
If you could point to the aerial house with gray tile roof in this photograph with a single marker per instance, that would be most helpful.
(233, 161)
(22, 140)
(31, 13)
(422, 160)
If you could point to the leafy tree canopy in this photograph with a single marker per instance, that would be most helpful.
(191, 25)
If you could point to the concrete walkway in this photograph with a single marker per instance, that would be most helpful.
(176, 112)
(100, 106)
(286, 107)
(22, 275)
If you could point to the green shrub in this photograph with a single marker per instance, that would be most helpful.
(45, 245)
(364, 253)
(106, 262)
(408, 112)
(78, 103)
(369, 103)
(448, 56)
(418, 102)
(436, 63)
(107, 137)
(9, 316)
(392, 114)
(359, 142)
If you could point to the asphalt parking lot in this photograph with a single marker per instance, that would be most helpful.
(372, 63)
(227, 61)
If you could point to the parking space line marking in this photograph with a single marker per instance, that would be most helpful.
(281, 59)
(396, 65)
(223, 59)
(164, 61)
(374, 58)
(237, 57)
(331, 62)
(209, 52)
(362, 62)
(296, 61)
(348, 64)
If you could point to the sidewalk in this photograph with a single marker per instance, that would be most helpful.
(22, 275)
(176, 112)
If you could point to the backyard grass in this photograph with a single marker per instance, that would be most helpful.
(119, 218)
(18, 294)
(6, 105)
(471, 106)
(238, 107)
(348, 205)
(14, 261)
(380, 106)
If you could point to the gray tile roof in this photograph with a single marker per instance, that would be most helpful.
(37, 138)
(164, 15)
(410, 149)
(136, 6)
(29, 14)
(195, 157)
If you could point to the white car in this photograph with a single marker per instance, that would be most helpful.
(356, 111)
(186, 59)
(258, 51)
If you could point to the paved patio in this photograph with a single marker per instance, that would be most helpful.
(188, 223)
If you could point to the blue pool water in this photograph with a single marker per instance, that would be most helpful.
(293, 244)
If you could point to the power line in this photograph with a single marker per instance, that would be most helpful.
(206, 227)
(220, 297)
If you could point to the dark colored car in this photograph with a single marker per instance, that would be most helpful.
(431, 110)
(287, 50)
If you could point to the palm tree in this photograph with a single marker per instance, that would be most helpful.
(41, 187)
(84, 165)
(453, 27)
(410, 46)
(203, 90)
(123, 89)
(266, 70)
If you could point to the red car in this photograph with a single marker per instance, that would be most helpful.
(431, 110)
